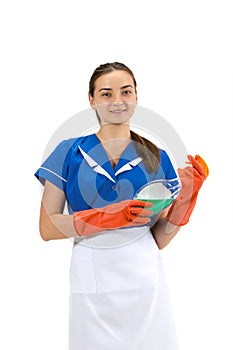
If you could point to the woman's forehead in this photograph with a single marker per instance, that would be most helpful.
(114, 79)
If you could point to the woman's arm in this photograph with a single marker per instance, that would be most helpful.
(163, 231)
(53, 223)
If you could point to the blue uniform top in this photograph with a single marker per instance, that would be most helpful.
(82, 169)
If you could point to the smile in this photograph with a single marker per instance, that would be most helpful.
(118, 111)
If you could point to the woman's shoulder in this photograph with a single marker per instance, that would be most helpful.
(165, 159)
(73, 142)
(164, 154)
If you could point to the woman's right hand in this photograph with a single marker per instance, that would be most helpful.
(118, 215)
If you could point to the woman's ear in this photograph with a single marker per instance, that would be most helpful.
(91, 101)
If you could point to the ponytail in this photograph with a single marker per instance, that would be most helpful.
(148, 151)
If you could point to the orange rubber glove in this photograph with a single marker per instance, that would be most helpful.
(192, 179)
(123, 214)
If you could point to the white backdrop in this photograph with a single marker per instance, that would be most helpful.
(181, 54)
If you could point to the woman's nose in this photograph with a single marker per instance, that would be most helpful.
(117, 98)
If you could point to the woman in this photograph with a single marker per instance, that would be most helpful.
(119, 298)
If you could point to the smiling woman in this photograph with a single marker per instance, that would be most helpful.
(114, 98)
(119, 297)
(113, 95)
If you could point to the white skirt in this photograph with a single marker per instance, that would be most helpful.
(119, 298)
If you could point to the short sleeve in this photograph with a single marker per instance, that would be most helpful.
(55, 167)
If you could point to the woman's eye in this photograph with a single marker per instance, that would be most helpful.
(126, 92)
(106, 94)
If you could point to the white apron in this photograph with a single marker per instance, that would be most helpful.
(119, 299)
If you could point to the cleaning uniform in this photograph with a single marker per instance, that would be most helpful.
(119, 298)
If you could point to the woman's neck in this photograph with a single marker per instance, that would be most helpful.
(114, 131)
(114, 139)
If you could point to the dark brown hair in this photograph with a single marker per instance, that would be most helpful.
(147, 150)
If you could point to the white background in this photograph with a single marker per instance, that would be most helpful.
(181, 54)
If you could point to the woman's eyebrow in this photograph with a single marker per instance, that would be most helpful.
(123, 87)
(104, 89)
(127, 86)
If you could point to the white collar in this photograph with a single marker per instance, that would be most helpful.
(100, 170)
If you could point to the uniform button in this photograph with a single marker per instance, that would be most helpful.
(113, 187)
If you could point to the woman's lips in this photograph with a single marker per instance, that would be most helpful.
(117, 111)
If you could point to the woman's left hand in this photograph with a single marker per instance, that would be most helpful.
(192, 179)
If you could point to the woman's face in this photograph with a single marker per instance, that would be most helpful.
(114, 97)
